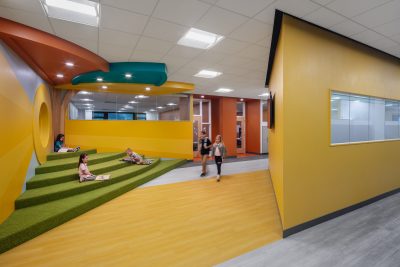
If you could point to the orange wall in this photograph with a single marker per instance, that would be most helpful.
(215, 118)
(227, 111)
(253, 126)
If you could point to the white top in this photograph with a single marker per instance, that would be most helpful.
(83, 170)
(217, 151)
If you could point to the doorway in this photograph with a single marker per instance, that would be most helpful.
(201, 121)
(240, 128)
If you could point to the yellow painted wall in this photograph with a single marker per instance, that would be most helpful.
(170, 139)
(275, 135)
(320, 178)
(18, 119)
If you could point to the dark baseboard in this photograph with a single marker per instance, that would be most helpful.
(330, 216)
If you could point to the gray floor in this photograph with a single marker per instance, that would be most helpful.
(369, 236)
(227, 160)
(193, 173)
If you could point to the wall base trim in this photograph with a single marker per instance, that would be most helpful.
(333, 215)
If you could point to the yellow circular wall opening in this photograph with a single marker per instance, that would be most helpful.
(44, 125)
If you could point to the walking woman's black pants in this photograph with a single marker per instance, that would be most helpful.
(218, 161)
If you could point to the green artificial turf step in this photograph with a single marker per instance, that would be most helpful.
(45, 194)
(56, 155)
(72, 163)
(51, 178)
(25, 224)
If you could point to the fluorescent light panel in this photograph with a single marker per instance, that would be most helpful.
(200, 39)
(264, 94)
(223, 90)
(141, 96)
(78, 11)
(208, 74)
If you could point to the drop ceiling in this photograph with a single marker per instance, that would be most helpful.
(148, 30)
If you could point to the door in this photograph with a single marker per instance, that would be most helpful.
(240, 135)
(196, 134)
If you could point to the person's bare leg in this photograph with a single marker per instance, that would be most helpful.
(204, 163)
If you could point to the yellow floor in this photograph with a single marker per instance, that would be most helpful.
(196, 223)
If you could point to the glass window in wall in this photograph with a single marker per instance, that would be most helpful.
(110, 106)
(240, 109)
(340, 118)
(205, 111)
(359, 114)
(391, 119)
(376, 119)
(264, 111)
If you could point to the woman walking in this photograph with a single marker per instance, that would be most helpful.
(205, 145)
(219, 152)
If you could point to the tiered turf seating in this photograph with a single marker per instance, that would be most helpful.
(54, 195)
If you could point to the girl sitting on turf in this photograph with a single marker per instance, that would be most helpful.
(59, 145)
(84, 173)
(136, 158)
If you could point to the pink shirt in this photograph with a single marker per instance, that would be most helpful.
(83, 171)
(217, 152)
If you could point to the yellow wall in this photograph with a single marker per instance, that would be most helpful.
(320, 178)
(275, 135)
(171, 139)
(17, 122)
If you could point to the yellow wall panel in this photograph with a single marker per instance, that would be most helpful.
(153, 138)
(320, 178)
(16, 144)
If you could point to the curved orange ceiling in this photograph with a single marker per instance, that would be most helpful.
(47, 54)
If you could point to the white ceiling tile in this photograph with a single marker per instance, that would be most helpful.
(348, 28)
(71, 29)
(351, 8)
(198, 65)
(383, 43)
(184, 52)
(389, 29)
(258, 65)
(85, 43)
(174, 63)
(185, 12)
(121, 20)
(248, 8)
(297, 8)
(252, 31)
(324, 18)
(255, 52)
(164, 30)
(322, 2)
(154, 45)
(266, 42)
(367, 36)
(35, 20)
(139, 6)
(267, 15)
(235, 61)
(25, 5)
(146, 56)
(118, 38)
(380, 15)
(230, 70)
(114, 53)
(230, 46)
(220, 21)
(212, 56)
(396, 38)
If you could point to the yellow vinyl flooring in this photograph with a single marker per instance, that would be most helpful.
(195, 223)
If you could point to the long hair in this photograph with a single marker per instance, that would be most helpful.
(220, 136)
(81, 157)
(59, 136)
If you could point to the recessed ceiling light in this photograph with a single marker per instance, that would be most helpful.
(264, 94)
(84, 93)
(171, 104)
(133, 102)
(69, 64)
(224, 90)
(128, 107)
(152, 110)
(79, 11)
(86, 99)
(141, 96)
(207, 74)
(104, 87)
(200, 39)
(99, 79)
(160, 107)
(148, 88)
(202, 96)
(128, 75)
(241, 99)
(59, 75)
(87, 104)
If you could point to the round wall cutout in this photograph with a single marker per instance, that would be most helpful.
(44, 125)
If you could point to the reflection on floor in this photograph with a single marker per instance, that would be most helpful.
(194, 223)
(367, 237)
(193, 173)
(240, 155)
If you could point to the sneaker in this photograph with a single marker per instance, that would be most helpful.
(218, 178)
(77, 149)
(202, 174)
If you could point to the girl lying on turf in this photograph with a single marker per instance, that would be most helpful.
(84, 173)
(135, 158)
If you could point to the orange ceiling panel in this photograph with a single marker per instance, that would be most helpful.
(47, 54)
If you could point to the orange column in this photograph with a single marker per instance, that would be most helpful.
(253, 121)
(227, 122)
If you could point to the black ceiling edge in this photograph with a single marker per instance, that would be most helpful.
(275, 37)
(274, 43)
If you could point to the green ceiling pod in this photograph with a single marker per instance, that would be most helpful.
(127, 72)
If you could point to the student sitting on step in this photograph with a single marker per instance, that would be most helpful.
(59, 145)
(84, 173)
(136, 158)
